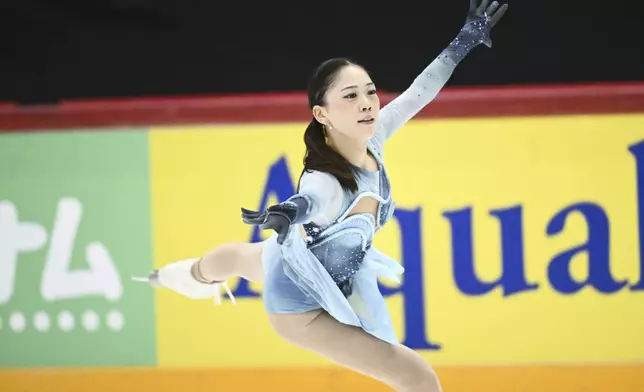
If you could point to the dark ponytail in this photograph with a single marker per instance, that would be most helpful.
(319, 155)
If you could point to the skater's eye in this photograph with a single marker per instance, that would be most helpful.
(351, 96)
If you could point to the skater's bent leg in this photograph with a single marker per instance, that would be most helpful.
(233, 259)
(397, 366)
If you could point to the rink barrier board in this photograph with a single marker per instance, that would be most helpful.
(568, 100)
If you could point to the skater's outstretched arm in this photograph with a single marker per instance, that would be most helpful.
(428, 84)
(319, 200)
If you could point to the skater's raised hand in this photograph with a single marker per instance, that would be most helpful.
(481, 12)
(493, 12)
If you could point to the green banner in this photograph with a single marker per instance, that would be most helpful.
(74, 226)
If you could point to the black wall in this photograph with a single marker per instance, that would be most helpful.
(113, 48)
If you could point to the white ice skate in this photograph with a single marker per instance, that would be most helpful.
(178, 277)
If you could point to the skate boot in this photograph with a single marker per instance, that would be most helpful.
(180, 277)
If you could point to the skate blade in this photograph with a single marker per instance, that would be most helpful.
(152, 279)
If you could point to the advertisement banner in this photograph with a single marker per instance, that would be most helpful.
(521, 238)
(74, 226)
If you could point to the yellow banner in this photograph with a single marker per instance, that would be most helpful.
(521, 238)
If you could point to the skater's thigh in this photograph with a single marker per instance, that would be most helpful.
(352, 347)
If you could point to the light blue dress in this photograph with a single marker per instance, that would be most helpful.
(336, 267)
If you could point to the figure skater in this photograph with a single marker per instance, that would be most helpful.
(320, 270)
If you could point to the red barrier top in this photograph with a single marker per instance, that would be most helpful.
(292, 107)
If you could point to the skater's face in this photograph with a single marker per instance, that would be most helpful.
(351, 105)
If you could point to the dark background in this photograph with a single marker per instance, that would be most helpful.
(54, 50)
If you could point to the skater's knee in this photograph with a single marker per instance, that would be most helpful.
(410, 372)
(418, 378)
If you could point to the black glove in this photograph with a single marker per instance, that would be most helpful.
(476, 30)
(279, 217)
(488, 15)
